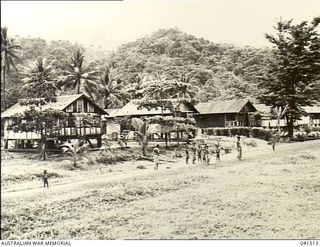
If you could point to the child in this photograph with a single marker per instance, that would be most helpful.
(187, 155)
(199, 153)
(194, 153)
(45, 179)
(206, 154)
(239, 148)
(218, 152)
(156, 153)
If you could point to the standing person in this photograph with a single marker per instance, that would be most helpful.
(187, 154)
(273, 143)
(206, 154)
(218, 152)
(239, 148)
(156, 153)
(45, 179)
(199, 150)
(194, 153)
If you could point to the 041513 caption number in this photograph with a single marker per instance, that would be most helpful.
(309, 242)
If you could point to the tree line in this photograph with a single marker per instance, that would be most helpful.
(285, 76)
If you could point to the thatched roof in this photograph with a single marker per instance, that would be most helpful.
(227, 106)
(61, 103)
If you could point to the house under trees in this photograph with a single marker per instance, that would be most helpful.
(229, 113)
(269, 119)
(83, 121)
(113, 122)
(134, 110)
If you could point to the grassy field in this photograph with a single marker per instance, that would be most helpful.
(267, 195)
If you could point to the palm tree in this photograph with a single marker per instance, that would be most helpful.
(155, 86)
(112, 90)
(135, 85)
(81, 78)
(40, 80)
(141, 132)
(9, 56)
(77, 150)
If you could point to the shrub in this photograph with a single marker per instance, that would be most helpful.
(114, 158)
(225, 132)
(307, 156)
(300, 137)
(243, 131)
(250, 142)
(218, 132)
(234, 131)
(261, 134)
(141, 167)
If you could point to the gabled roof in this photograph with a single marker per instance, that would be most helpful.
(184, 107)
(61, 103)
(227, 106)
(131, 109)
(111, 112)
(263, 108)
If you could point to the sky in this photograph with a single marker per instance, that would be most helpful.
(108, 24)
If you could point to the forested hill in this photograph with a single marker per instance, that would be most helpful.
(220, 70)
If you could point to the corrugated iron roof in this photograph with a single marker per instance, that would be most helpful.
(263, 108)
(131, 109)
(227, 106)
(111, 112)
(61, 103)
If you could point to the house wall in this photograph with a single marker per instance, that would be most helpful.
(10, 134)
(72, 125)
(272, 123)
(243, 118)
(76, 112)
(225, 120)
(315, 119)
(211, 120)
(113, 130)
(312, 120)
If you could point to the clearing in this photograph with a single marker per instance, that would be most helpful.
(267, 195)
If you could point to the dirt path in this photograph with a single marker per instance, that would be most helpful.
(249, 155)
(263, 196)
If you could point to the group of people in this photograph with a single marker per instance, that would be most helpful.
(201, 153)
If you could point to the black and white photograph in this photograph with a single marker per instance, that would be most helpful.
(160, 120)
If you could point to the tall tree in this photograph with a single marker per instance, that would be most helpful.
(112, 90)
(9, 57)
(40, 88)
(293, 75)
(166, 95)
(40, 79)
(141, 132)
(78, 76)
